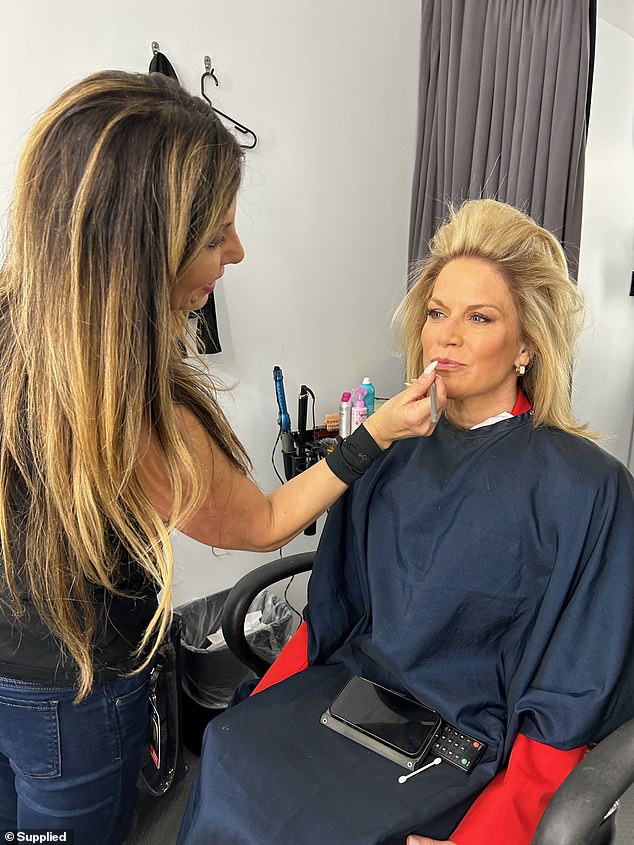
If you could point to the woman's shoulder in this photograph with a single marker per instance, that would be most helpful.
(588, 460)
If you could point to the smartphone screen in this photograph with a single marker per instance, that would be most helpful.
(392, 718)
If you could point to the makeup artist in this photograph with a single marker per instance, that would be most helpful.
(123, 221)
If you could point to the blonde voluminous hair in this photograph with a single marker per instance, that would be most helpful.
(549, 305)
(122, 182)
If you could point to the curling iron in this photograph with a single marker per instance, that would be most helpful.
(284, 422)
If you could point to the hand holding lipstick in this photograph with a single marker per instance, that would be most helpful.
(413, 412)
(435, 416)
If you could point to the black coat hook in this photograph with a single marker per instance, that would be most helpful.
(209, 72)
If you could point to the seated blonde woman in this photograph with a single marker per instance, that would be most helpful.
(485, 570)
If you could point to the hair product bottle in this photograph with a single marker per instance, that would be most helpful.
(359, 411)
(369, 395)
(345, 407)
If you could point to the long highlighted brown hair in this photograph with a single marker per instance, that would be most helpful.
(550, 307)
(122, 182)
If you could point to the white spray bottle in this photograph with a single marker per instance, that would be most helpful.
(345, 408)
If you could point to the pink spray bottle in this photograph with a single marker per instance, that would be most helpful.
(359, 411)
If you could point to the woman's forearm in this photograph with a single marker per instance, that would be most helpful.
(236, 514)
(298, 503)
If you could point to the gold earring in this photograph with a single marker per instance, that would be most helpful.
(520, 370)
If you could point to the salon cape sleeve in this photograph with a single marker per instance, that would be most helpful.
(583, 688)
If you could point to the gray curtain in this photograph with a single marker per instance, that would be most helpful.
(504, 86)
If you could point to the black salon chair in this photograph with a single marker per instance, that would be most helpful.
(240, 597)
(581, 812)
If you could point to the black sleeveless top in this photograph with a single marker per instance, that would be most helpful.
(29, 652)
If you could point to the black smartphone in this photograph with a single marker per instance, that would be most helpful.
(388, 722)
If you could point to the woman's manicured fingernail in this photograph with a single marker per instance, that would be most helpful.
(430, 368)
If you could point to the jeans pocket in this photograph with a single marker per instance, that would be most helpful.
(29, 733)
(132, 710)
(126, 696)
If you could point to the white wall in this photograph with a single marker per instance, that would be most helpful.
(330, 88)
(604, 378)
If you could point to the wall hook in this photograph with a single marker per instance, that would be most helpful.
(209, 71)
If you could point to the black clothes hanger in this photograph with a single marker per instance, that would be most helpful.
(209, 72)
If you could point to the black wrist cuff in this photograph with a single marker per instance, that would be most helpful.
(352, 456)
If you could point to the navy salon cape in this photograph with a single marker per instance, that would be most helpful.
(490, 574)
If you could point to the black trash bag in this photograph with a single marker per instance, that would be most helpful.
(210, 672)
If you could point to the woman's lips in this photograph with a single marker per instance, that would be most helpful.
(212, 285)
(446, 364)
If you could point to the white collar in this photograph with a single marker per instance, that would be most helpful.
(497, 418)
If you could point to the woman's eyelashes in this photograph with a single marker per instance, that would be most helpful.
(475, 317)
(216, 242)
(434, 313)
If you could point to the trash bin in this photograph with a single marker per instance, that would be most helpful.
(210, 671)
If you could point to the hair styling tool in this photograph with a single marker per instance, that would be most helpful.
(284, 422)
(302, 409)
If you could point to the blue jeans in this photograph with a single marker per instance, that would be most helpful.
(72, 767)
